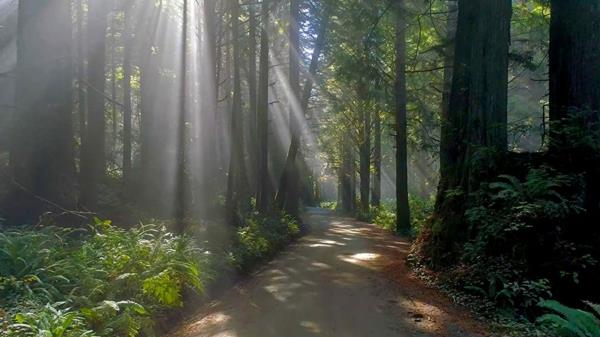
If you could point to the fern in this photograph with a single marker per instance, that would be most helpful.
(575, 322)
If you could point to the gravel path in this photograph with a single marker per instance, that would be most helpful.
(345, 279)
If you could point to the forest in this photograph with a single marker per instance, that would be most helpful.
(282, 168)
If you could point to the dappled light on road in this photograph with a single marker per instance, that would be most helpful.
(332, 283)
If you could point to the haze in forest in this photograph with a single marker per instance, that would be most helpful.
(169, 148)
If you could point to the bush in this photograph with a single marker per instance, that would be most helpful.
(331, 205)
(420, 210)
(106, 280)
(260, 237)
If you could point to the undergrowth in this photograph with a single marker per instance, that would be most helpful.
(260, 237)
(100, 281)
(105, 281)
(531, 239)
(384, 216)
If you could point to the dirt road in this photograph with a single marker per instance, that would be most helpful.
(345, 279)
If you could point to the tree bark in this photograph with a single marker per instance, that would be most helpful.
(364, 148)
(376, 192)
(81, 91)
(252, 91)
(94, 159)
(263, 194)
(446, 128)
(181, 200)
(477, 116)
(128, 110)
(150, 79)
(347, 176)
(237, 185)
(288, 196)
(402, 206)
(574, 58)
(113, 90)
(212, 175)
(42, 154)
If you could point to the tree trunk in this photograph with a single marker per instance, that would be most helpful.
(477, 115)
(237, 183)
(41, 154)
(263, 194)
(181, 199)
(288, 196)
(150, 187)
(212, 175)
(574, 58)
(94, 159)
(347, 176)
(402, 206)
(81, 91)
(113, 90)
(376, 192)
(127, 110)
(252, 92)
(446, 128)
(364, 149)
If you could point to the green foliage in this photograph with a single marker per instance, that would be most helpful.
(260, 237)
(516, 226)
(107, 280)
(50, 321)
(572, 322)
(384, 216)
(420, 210)
(331, 205)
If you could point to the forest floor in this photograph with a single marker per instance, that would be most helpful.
(344, 279)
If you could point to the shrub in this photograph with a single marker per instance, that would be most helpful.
(260, 237)
(518, 240)
(107, 280)
(331, 205)
(420, 210)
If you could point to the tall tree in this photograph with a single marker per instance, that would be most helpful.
(364, 145)
(209, 132)
(288, 196)
(81, 93)
(93, 160)
(446, 128)
(263, 195)
(347, 175)
(113, 86)
(181, 179)
(41, 153)
(376, 191)
(574, 57)
(252, 91)
(402, 206)
(477, 113)
(237, 183)
(151, 183)
(127, 105)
